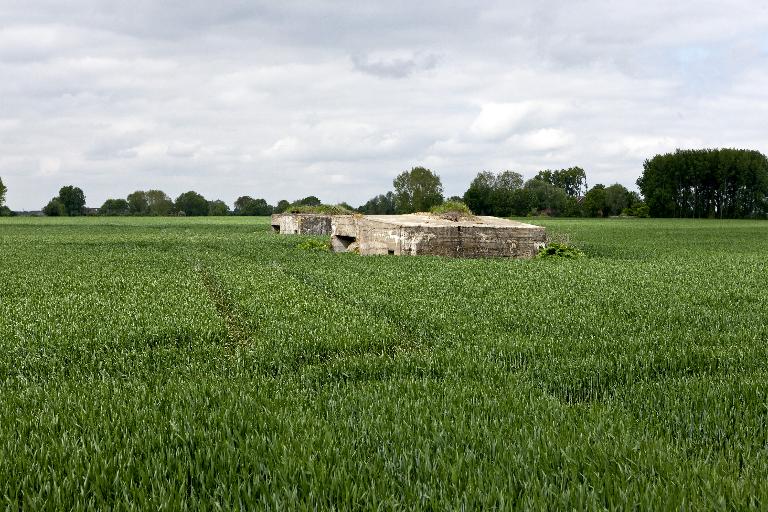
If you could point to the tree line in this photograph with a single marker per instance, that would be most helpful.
(711, 183)
(561, 192)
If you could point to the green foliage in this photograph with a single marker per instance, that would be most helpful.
(181, 364)
(6, 212)
(218, 208)
(496, 194)
(308, 201)
(417, 190)
(457, 207)
(138, 203)
(246, 205)
(282, 206)
(572, 180)
(559, 250)
(327, 209)
(54, 208)
(383, 204)
(543, 198)
(3, 192)
(72, 200)
(314, 244)
(115, 207)
(596, 201)
(714, 183)
(191, 204)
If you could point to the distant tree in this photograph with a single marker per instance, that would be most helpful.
(596, 201)
(138, 204)
(54, 208)
(346, 205)
(417, 190)
(543, 197)
(3, 191)
(455, 199)
(246, 205)
(495, 194)
(282, 205)
(383, 204)
(218, 208)
(617, 198)
(478, 195)
(724, 183)
(114, 207)
(572, 180)
(158, 203)
(191, 204)
(308, 201)
(73, 200)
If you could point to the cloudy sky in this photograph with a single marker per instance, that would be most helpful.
(286, 99)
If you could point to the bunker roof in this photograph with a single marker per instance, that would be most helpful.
(426, 219)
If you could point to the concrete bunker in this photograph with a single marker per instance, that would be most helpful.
(301, 224)
(428, 234)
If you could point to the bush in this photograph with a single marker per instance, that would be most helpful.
(451, 207)
(312, 244)
(559, 250)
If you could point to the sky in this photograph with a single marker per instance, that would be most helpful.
(283, 100)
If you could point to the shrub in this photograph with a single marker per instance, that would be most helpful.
(559, 250)
(312, 244)
(451, 207)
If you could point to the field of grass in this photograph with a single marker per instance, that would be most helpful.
(209, 363)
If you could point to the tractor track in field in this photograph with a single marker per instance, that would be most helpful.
(225, 307)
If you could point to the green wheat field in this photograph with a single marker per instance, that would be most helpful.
(171, 363)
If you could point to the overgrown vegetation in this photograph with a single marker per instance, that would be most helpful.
(452, 207)
(327, 209)
(559, 250)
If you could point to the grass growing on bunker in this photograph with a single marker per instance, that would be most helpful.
(193, 363)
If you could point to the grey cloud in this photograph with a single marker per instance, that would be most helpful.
(394, 67)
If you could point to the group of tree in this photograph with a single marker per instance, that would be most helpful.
(715, 183)
(70, 202)
(416, 190)
(723, 183)
(552, 192)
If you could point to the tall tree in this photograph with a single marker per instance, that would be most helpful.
(3, 191)
(218, 208)
(573, 180)
(191, 204)
(617, 198)
(138, 203)
(596, 201)
(417, 190)
(73, 200)
(158, 203)
(478, 195)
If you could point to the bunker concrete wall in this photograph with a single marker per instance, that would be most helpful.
(301, 224)
(488, 237)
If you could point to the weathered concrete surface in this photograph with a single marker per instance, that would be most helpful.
(477, 237)
(301, 223)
